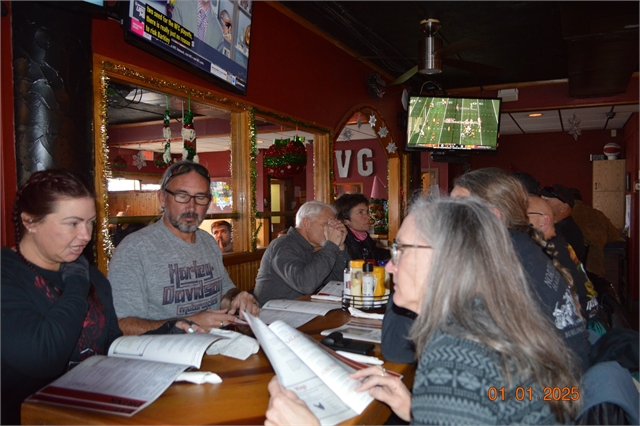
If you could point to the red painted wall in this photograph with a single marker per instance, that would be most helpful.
(291, 70)
(550, 157)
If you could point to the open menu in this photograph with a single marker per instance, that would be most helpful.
(137, 370)
(294, 312)
(318, 378)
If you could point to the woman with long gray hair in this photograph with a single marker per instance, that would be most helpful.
(550, 281)
(486, 353)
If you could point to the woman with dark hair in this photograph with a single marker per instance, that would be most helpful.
(478, 333)
(57, 310)
(353, 211)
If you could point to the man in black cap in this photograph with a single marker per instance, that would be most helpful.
(561, 201)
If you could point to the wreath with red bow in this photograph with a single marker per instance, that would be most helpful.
(285, 158)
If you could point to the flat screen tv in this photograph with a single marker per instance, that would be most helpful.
(211, 43)
(445, 123)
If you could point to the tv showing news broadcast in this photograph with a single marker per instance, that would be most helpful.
(209, 38)
(453, 123)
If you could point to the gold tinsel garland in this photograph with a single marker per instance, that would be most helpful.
(107, 244)
(253, 155)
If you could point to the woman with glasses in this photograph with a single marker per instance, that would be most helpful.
(353, 211)
(56, 309)
(486, 353)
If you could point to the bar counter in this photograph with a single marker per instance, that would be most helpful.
(242, 397)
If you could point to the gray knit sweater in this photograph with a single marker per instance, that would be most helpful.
(452, 383)
(290, 268)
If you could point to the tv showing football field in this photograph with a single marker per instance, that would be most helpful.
(453, 123)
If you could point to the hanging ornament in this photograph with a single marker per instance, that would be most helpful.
(372, 120)
(286, 158)
(574, 126)
(391, 148)
(347, 134)
(138, 160)
(383, 132)
(189, 136)
(166, 132)
(359, 121)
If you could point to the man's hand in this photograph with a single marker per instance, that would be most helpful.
(336, 232)
(212, 319)
(243, 301)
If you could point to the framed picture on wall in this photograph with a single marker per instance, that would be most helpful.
(220, 196)
(348, 188)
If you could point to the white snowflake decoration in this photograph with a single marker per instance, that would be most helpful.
(383, 132)
(138, 160)
(372, 120)
(391, 147)
(574, 127)
(347, 134)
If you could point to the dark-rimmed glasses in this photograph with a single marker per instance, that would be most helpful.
(396, 248)
(184, 198)
(184, 168)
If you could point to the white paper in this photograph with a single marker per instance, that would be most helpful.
(185, 349)
(332, 288)
(232, 344)
(371, 360)
(294, 319)
(199, 377)
(300, 306)
(317, 378)
(113, 385)
(373, 335)
(359, 314)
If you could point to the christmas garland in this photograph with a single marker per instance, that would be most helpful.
(286, 158)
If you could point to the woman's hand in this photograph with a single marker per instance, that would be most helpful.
(285, 408)
(385, 388)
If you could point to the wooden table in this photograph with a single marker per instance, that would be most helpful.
(241, 398)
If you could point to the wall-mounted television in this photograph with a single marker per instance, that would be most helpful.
(212, 43)
(446, 123)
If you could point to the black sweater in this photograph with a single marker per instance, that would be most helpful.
(40, 338)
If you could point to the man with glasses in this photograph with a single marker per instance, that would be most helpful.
(172, 269)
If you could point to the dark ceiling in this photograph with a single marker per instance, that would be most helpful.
(593, 44)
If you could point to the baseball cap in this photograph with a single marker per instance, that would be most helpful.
(558, 191)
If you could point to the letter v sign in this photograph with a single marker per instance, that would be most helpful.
(343, 167)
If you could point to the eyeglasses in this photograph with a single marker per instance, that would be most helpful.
(535, 213)
(181, 169)
(183, 198)
(396, 248)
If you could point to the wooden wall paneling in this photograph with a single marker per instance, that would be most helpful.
(134, 203)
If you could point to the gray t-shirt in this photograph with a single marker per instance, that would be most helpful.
(156, 276)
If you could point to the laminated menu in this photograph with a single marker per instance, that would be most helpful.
(320, 379)
(137, 370)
